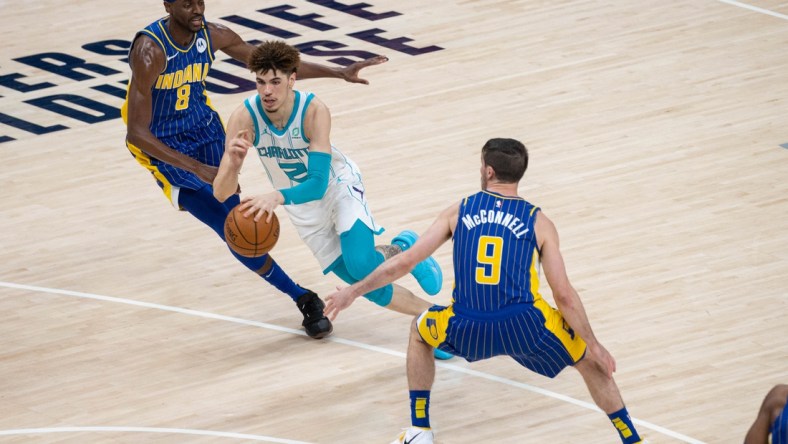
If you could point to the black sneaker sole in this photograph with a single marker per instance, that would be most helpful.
(322, 332)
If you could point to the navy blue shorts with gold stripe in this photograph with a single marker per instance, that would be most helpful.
(534, 335)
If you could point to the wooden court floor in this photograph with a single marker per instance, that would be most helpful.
(657, 133)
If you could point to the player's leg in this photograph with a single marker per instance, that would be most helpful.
(350, 211)
(421, 376)
(427, 272)
(542, 341)
(607, 397)
(392, 296)
(359, 259)
(570, 349)
(202, 205)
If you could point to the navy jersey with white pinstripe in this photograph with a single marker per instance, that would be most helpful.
(182, 116)
(497, 308)
(498, 232)
(779, 429)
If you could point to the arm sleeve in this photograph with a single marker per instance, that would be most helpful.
(316, 183)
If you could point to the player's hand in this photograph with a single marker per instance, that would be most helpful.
(350, 73)
(239, 146)
(338, 301)
(602, 358)
(259, 205)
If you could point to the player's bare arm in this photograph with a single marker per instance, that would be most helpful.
(307, 70)
(565, 295)
(147, 62)
(770, 409)
(317, 126)
(226, 40)
(759, 430)
(392, 269)
(237, 144)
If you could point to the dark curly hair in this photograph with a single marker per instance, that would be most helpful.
(274, 55)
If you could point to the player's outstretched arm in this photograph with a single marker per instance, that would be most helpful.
(398, 266)
(226, 40)
(350, 73)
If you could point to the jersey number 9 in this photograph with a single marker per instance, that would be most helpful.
(488, 254)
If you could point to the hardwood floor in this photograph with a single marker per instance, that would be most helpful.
(658, 147)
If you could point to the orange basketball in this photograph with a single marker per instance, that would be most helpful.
(247, 237)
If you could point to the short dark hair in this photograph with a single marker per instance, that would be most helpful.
(507, 157)
(274, 55)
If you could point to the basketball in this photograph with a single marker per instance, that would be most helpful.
(247, 237)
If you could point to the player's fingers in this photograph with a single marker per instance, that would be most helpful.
(329, 312)
(377, 60)
(609, 368)
(247, 209)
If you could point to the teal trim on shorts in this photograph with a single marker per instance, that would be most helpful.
(333, 265)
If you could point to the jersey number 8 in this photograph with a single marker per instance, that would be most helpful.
(183, 97)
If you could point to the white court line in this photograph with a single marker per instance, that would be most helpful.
(361, 345)
(755, 8)
(148, 430)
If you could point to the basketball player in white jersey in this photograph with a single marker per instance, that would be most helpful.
(320, 187)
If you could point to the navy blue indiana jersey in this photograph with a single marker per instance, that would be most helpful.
(180, 102)
(497, 308)
(182, 116)
(496, 257)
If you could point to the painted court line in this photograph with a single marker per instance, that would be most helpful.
(754, 8)
(448, 366)
(148, 430)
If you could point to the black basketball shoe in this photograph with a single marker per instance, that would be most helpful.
(315, 323)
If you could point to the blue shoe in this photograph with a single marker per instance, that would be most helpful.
(442, 355)
(427, 272)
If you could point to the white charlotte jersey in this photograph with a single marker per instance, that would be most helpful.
(284, 157)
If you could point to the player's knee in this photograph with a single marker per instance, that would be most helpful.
(588, 368)
(381, 296)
